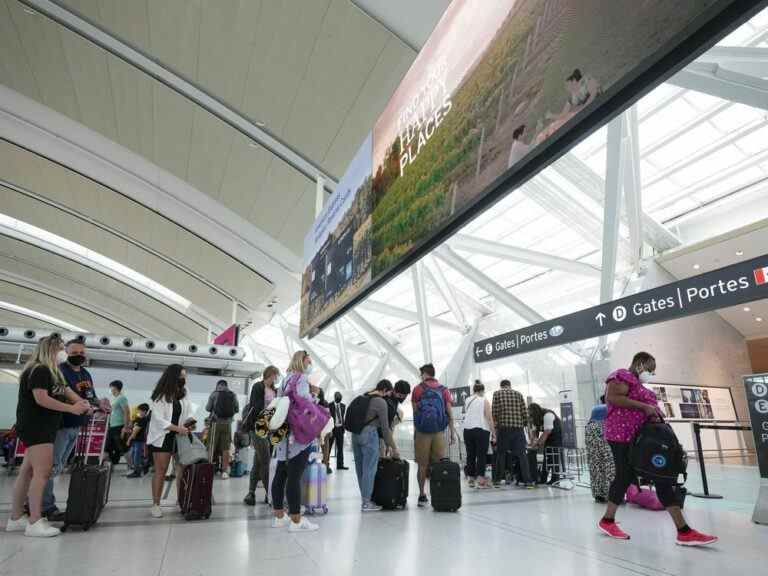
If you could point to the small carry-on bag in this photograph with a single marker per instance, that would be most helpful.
(314, 488)
(88, 483)
(196, 491)
(190, 450)
(390, 488)
(445, 486)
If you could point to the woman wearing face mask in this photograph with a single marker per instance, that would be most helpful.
(630, 405)
(43, 397)
(170, 406)
(291, 456)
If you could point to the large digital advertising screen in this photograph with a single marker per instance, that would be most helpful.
(499, 90)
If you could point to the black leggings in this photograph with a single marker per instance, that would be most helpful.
(625, 476)
(476, 441)
(287, 482)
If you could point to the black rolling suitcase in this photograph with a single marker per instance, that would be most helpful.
(88, 485)
(390, 488)
(445, 486)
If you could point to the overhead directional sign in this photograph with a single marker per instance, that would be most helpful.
(729, 286)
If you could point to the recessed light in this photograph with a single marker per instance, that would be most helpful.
(696, 266)
(758, 319)
(30, 11)
(739, 252)
(254, 144)
(747, 309)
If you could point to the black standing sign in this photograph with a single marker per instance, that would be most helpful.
(757, 400)
(729, 286)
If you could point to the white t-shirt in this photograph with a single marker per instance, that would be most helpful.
(549, 422)
(474, 416)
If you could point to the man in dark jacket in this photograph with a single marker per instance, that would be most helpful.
(338, 411)
(262, 393)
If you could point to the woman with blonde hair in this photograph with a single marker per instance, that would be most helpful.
(43, 397)
(292, 457)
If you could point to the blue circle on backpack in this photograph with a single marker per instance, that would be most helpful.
(659, 460)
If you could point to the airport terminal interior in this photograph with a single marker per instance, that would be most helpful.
(345, 246)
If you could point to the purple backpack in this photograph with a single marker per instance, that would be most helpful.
(305, 418)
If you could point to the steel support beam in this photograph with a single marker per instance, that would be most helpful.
(434, 274)
(402, 313)
(420, 294)
(461, 364)
(341, 343)
(469, 302)
(593, 185)
(368, 329)
(521, 255)
(183, 87)
(612, 207)
(482, 280)
(331, 341)
(720, 82)
(630, 160)
(374, 374)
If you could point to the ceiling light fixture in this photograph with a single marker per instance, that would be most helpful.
(747, 309)
(30, 11)
(696, 266)
(739, 252)
(758, 319)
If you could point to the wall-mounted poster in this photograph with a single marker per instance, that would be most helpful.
(695, 402)
(492, 93)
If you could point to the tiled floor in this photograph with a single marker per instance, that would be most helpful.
(541, 532)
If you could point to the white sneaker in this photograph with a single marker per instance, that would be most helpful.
(156, 511)
(41, 529)
(225, 476)
(281, 522)
(303, 526)
(17, 525)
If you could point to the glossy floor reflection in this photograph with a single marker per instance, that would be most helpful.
(541, 532)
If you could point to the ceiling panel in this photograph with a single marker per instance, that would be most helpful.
(154, 318)
(210, 146)
(132, 95)
(116, 211)
(42, 47)
(22, 321)
(174, 27)
(13, 61)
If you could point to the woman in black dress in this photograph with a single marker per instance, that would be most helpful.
(43, 397)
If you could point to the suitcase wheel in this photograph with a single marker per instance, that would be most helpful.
(325, 509)
(86, 527)
(64, 528)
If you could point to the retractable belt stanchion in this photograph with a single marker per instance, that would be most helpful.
(700, 455)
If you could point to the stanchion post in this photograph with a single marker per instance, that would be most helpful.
(700, 456)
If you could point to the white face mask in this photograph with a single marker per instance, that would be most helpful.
(308, 369)
(645, 376)
(61, 357)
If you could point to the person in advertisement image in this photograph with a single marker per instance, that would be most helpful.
(630, 405)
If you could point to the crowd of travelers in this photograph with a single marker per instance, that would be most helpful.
(56, 397)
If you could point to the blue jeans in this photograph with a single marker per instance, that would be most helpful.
(365, 447)
(62, 450)
(137, 455)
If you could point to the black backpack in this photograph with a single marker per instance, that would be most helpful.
(355, 418)
(656, 453)
(224, 405)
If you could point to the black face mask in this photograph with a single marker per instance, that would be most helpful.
(182, 382)
(76, 359)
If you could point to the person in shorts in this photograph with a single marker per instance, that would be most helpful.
(432, 414)
(223, 405)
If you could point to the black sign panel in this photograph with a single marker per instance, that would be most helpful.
(729, 286)
(757, 400)
(459, 395)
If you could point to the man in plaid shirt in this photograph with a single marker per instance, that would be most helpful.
(511, 417)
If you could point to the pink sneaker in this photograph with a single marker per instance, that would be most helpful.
(694, 538)
(612, 529)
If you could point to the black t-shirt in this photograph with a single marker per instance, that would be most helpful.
(30, 416)
(142, 423)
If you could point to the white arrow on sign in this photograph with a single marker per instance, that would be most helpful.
(600, 318)
(478, 351)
